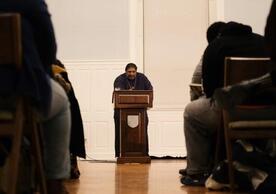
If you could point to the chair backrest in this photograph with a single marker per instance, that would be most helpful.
(238, 69)
(10, 40)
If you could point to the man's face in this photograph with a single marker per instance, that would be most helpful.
(131, 73)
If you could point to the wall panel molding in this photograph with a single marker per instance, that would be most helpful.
(166, 135)
(92, 81)
(95, 54)
(94, 94)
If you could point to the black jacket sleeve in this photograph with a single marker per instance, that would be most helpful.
(148, 85)
(120, 82)
(270, 31)
(212, 68)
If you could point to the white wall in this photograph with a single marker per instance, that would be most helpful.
(94, 40)
(174, 40)
(252, 12)
(91, 29)
(97, 38)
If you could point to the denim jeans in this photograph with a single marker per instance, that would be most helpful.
(56, 134)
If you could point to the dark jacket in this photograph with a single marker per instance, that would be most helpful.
(77, 141)
(235, 40)
(39, 52)
(141, 82)
(270, 37)
(270, 31)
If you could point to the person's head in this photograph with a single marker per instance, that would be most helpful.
(233, 28)
(214, 30)
(131, 70)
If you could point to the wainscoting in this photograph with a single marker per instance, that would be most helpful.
(93, 85)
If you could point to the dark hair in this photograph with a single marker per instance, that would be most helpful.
(214, 31)
(59, 63)
(130, 65)
(235, 29)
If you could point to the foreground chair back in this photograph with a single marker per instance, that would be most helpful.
(237, 70)
(17, 119)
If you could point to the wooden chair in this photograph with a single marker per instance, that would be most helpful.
(20, 120)
(237, 70)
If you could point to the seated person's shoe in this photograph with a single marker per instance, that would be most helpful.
(194, 180)
(75, 173)
(183, 171)
(218, 180)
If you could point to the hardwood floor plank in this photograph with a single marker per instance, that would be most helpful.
(159, 177)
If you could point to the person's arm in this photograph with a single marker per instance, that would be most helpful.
(196, 79)
(119, 83)
(212, 68)
(147, 83)
(45, 36)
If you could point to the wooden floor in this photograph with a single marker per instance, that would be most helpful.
(159, 177)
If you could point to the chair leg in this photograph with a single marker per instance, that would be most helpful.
(38, 157)
(15, 154)
(219, 145)
(230, 163)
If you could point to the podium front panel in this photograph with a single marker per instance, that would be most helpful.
(133, 98)
(133, 134)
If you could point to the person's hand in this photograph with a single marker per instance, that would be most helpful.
(66, 86)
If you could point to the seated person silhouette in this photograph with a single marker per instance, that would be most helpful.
(36, 82)
(202, 117)
(77, 144)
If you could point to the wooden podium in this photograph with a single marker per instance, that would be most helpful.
(133, 137)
